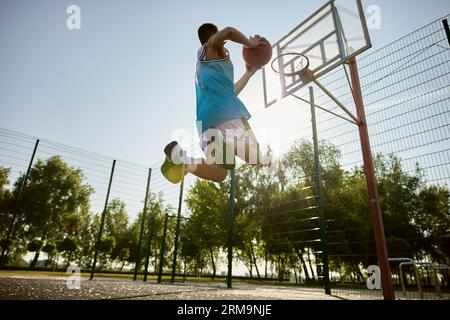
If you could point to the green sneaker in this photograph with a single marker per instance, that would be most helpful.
(172, 172)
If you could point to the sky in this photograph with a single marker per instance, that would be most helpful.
(123, 83)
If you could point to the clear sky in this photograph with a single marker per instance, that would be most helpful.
(124, 82)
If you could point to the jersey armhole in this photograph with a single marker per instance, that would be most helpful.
(202, 53)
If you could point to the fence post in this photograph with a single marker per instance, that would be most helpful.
(230, 226)
(102, 223)
(323, 234)
(141, 232)
(447, 29)
(14, 213)
(177, 230)
(149, 244)
(163, 247)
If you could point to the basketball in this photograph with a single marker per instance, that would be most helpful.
(259, 56)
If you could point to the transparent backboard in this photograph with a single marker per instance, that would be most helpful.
(331, 36)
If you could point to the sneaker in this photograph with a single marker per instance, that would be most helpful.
(174, 153)
(172, 172)
(173, 168)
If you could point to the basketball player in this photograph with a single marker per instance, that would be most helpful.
(222, 118)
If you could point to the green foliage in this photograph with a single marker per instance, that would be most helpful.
(4, 181)
(299, 162)
(208, 203)
(106, 244)
(117, 227)
(433, 221)
(34, 245)
(69, 245)
(49, 248)
(53, 198)
(276, 218)
(5, 202)
(153, 228)
(124, 254)
(276, 215)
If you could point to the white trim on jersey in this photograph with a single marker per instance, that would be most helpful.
(202, 55)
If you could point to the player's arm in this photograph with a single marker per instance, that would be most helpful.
(242, 82)
(232, 34)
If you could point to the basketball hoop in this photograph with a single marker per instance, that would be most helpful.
(332, 36)
(293, 64)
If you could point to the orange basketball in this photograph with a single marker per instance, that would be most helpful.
(259, 56)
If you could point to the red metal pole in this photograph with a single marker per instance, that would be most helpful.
(374, 202)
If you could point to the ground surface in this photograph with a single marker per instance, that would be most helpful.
(17, 286)
(53, 286)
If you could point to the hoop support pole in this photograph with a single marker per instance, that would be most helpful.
(340, 105)
(372, 189)
(323, 109)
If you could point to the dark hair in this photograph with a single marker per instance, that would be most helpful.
(205, 32)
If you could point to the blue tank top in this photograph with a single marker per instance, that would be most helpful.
(217, 101)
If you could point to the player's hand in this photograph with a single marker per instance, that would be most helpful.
(251, 70)
(256, 41)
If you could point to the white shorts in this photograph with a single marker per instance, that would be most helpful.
(236, 133)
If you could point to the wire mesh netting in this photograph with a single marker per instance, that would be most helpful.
(405, 87)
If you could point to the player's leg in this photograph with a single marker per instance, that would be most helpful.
(175, 157)
(212, 172)
(246, 146)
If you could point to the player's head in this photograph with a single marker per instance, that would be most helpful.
(205, 32)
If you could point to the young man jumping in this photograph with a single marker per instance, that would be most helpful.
(222, 118)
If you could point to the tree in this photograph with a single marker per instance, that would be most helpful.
(208, 203)
(5, 207)
(34, 246)
(117, 226)
(68, 246)
(54, 191)
(400, 204)
(433, 220)
(291, 224)
(299, 162)
(4, 193)
(191, 249)
(87, 233)
(50, 250)
(105, 247)
(255, 190)
(153, 228)
(123, 257)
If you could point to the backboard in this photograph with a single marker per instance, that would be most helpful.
(329, 37)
